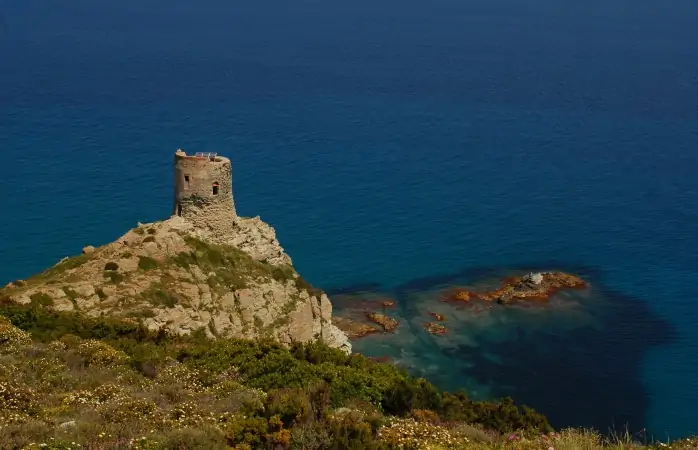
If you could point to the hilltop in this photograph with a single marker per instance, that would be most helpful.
(170, 276)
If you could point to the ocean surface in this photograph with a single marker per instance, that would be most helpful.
(399, 148)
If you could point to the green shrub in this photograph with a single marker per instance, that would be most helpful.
(408, 394)
(303, 285)
(282, 272)
(193, 438)
(142, 313)
(291, 406)
(41, 299)
(350, 431)
(245, 430)
(503, 415)
(230, 265)
(147, 263)
(18, 397)
(313, 436)
(111, 265)
(71, 294)
(158, 296)
(114, 277)
(47, 325)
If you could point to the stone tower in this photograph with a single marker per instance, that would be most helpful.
(203, 190)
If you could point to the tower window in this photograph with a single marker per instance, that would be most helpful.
(179, 209)
(215, 188)
(186, 181)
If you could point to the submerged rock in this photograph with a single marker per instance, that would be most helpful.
(388, 323)
(532, 286)
(435, 328)
(354, 329)
(437, 316)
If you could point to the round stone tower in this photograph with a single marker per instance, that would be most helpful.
(203, 190)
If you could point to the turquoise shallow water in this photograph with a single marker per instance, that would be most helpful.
(401, 146)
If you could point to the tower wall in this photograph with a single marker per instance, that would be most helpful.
(203, 190)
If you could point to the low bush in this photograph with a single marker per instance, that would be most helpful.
(41, 299)
(147, 263)
(114, 277)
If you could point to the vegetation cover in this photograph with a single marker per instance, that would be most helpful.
(68, 381)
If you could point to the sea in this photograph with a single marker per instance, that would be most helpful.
(400, 149)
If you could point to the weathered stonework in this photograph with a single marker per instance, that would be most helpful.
(203, 196)
(203, 191)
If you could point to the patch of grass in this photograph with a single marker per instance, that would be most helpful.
(100, 293)
(114, 277)
(142, 314)
(73, 278)
(157, 295)
(41, 299)
(258, 324)
(283, 273)
(147, 263)
(231, 267)
(71, 294)
(60, 268)
(303, 285)
(283, 318)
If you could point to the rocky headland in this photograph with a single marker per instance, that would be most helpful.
(176, 276)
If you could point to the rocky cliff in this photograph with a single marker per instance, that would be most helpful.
(176, 276)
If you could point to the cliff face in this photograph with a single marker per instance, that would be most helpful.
(182, 277)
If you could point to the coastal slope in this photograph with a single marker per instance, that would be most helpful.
(177, 277)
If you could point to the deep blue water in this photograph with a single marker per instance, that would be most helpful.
(391, 142)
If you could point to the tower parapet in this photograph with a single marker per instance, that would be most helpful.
(203, 189)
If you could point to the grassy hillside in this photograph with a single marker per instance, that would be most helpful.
(68, 382)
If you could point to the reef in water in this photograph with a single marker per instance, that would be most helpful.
(550, 336)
